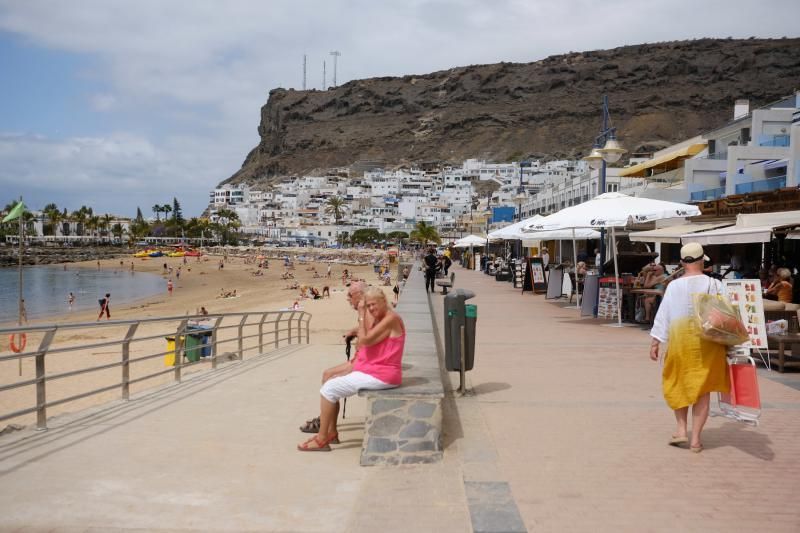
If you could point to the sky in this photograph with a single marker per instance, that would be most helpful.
(116, 104)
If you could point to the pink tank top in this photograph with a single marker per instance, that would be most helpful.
(383, 360)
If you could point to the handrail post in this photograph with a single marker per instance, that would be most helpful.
(179, 336)
(214, 329)
(261, 332)
(277, 329)
(308, 329)
(41, 397)
(291, 317)
(241, 334)
(126, 353)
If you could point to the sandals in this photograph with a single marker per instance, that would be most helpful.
(696, 449)
(678, 441)
(311, 426)
(321, 446)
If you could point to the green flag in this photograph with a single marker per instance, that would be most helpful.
(15, 213)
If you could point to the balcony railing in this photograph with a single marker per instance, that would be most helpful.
(708, 194)
(774, 140)
(770, 184)
(122, 354)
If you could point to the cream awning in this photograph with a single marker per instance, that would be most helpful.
(687, 151)
(672, 234)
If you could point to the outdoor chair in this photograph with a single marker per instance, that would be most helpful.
(444, 284)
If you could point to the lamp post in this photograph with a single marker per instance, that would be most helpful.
(606, 150)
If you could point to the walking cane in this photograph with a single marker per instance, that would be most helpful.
(348, 341)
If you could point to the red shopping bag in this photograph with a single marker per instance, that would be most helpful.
(743, 403)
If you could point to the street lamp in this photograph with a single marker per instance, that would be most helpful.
(606, 150)
(519, 199)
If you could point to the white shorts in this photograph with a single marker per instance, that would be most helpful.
(337, 388)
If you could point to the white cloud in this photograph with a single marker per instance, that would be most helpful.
(192, 74)
(102, 101)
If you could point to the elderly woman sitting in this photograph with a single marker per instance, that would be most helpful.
(377, 365)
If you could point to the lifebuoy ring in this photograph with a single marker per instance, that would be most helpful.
(23, 341)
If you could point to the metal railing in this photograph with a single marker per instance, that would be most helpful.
(191, 341)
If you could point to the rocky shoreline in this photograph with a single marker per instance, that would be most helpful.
(44, 255)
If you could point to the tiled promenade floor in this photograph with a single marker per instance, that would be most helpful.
(566, 431)
(574, 412)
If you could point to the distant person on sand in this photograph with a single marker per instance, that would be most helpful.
(328, 274)
(169, 287)
(132, 266)
(105, 307)
(71, 300)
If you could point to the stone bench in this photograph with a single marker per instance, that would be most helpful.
(447, 284)
(404, 425)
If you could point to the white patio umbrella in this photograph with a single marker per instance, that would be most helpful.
(513, 232)
(566, 234)
(613, 210)
(470, 240)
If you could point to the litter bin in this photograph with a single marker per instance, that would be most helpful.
(192, 349)
(203, 336)
(457, 314)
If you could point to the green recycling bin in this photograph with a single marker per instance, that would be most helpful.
(194, 347)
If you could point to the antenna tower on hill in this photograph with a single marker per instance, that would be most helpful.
(324, 78)
(304, 72)
(335, 55)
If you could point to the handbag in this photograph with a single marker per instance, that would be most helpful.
(719, 320)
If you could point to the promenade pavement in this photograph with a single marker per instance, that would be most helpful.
(565, 430)
(578, 428)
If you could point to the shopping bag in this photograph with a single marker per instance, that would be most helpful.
(719, 319)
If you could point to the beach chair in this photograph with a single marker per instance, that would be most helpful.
(743, 403)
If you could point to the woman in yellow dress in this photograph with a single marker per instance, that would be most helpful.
(693, 367)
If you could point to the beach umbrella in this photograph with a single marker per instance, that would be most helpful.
(613, 210)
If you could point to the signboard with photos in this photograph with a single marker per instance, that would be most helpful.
(746, 293)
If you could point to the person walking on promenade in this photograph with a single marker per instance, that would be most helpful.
(105, 307)
(693, 366)
(377, 365)
(430, 262)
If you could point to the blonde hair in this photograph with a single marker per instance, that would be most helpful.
(374, 292)
(784, 273)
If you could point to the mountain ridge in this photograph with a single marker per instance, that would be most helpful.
(659, 93)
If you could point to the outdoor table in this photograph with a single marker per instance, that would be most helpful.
(783, 340)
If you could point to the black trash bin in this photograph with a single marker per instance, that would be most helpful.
(456, 315)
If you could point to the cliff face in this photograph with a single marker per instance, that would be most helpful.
(658, 94)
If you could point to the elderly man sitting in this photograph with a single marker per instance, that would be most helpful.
(355, 293)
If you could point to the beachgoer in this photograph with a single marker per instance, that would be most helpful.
(405, 273)
(431, 262)
(105, 307)
(653, 280)
(597, 257)
(165, 267)
(396, 291)
(169, 286)
(178, 274)
(446, 263)
(131, 266)
(328, 274)
(203, 311)
(326, 291)
(71, 300)
(693, 367)
(545, 258)
(377, 365)
(98, 264)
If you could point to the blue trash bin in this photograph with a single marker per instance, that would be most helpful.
(203, 336)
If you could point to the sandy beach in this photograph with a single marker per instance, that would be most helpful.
(200, 284)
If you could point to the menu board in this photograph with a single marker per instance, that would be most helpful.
(608, 302)
(746, 293)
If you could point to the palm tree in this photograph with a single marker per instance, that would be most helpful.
(335, 207)
(425, 233)
(93, 224)
(53, 215)
(226, 219)
(79, 216)
(166, 209)
(105, 222)
(157, 210)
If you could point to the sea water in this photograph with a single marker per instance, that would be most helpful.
(46, 289)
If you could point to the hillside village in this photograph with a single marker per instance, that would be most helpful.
(755, 151)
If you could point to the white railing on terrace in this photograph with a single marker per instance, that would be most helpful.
(125, 353)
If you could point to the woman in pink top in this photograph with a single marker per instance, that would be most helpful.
(377, 365)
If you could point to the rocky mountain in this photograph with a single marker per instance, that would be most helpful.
(658, 94)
